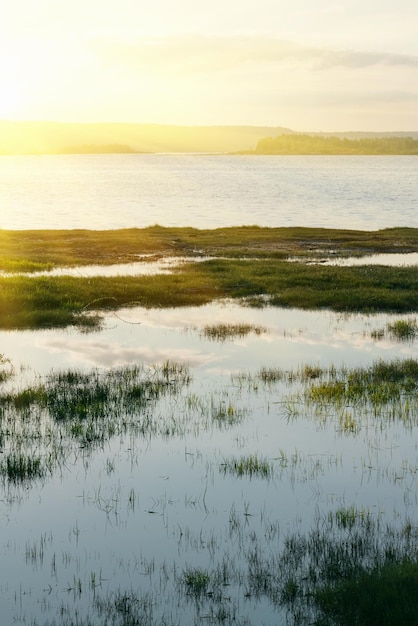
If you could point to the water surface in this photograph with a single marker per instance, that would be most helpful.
(207, 191)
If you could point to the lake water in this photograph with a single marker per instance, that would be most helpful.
(117, 520)
(207, 191)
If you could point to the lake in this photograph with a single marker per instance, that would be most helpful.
(163, 470)
(207, 191)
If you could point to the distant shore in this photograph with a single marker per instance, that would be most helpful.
(32, 137)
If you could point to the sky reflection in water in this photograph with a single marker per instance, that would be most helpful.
(183, 503)
(132, 335)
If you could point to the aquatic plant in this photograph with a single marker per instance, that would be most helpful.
(19, 467)
(222, 332)
(251, 466)
(6, 369)
(40, 424)
(401, 330)
(317, 575)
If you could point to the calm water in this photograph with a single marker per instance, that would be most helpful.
(139, 510)
(118, 191)
(135, 512)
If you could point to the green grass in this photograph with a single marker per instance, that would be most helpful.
(42, 249)
(60, 301)
(249, 266)
(70, 410)
(20, 468)
(6, 369)
(223, 332)
(350, 569)
(251, 466)
(196, 581)
(383, 596)
(403, 330)
(400, 330)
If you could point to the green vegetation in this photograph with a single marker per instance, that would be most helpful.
(196, 581)
(384, 596)
(403, 330)
(346, 566)
(349, 570)
(299, 143)
(6, 369)
(19, 468)
(43, 249)
(222, 332)
(251, 466)
(40, 424)
(248, 265)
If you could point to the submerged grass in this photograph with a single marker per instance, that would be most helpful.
(6, 369)
(400, 330)
(223, 332)
(385, 596)
(339, 573)
(19, 468)
(40, 425)
(251, 466)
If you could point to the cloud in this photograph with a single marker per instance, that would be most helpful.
(195, 53)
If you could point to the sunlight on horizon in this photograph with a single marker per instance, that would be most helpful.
(327, 69)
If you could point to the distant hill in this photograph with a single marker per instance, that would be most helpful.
(31, 137)
(55, 137)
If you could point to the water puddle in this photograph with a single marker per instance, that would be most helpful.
(391, 260)
(146, 267)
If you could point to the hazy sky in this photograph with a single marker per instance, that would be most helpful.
(304, 64)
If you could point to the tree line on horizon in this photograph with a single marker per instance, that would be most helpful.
(300, 143)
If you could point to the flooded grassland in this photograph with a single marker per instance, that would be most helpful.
(232, 461)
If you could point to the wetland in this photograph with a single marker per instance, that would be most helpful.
(228, 441)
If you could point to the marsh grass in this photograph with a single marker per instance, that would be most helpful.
(226, 413)
(41, 424)
(400, 330)
(196, 581)
(248, 264)
(87, 247)
(318, 575)
(381, 385)
(223, 332)
(385, 391)
(6, 369)
(251, 466)
(384, 596)
(20, 468)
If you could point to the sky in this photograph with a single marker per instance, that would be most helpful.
(309, 65)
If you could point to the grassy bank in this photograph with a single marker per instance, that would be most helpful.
(44, 249)
(246, 263)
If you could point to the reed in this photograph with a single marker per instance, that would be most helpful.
(223, 332)
(251, 466)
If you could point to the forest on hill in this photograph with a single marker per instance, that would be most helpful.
(305, 144)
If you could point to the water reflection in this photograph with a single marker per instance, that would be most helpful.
(146, 267)
(390, 260)
(136, 334)
(140, 510)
